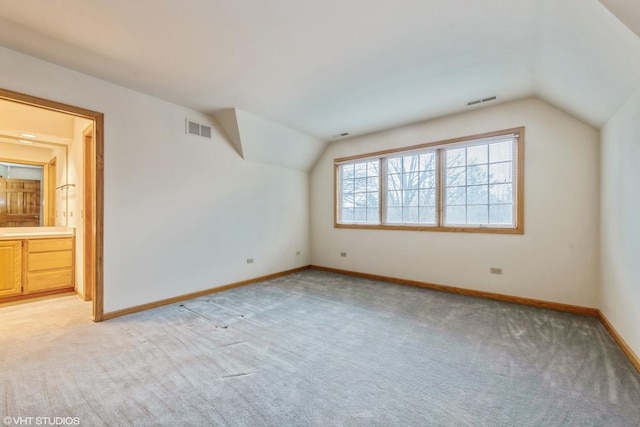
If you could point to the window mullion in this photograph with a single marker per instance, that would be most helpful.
(382, 193)
(439, 188)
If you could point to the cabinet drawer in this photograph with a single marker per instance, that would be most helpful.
(47, 245)
(45, 281)
(50, 260)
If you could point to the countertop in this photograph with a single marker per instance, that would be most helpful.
(16, 233)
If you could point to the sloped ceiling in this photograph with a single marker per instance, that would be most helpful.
(627, 11)
(336, 66)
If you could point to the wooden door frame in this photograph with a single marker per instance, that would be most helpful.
(98, 141)
(88, 213)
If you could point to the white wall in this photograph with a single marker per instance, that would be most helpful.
(182, 213)
(555, 260)
(620, 227)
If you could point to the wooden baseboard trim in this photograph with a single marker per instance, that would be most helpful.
(585, 311)
(179, 298)
(36, 295)
(633, 357)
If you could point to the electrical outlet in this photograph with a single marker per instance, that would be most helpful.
(249, 260)
(343, 254)
(495, 270)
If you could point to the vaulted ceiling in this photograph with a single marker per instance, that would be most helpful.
(333, 66)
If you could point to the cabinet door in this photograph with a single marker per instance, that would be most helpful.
(10, 267)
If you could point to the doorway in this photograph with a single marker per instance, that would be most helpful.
(93, 204)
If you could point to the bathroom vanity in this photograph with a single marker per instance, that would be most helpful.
(36, 262)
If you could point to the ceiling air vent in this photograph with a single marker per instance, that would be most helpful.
(340, 135)
(194, 128)
(483, 100)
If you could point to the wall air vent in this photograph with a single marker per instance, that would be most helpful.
(194, 128)
(481, 101)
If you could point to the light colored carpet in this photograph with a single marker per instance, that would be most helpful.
(316, 349)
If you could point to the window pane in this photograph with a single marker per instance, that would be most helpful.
(360, 184)
(501, 152)
(394, 181)
(359, 195)
(410, 215)
(427, 197)
(372, 184)
(411, 184)
(347, 214)
(456, 157)
(477, 195)
(360, 200)
(347, 171)
(411, 163)
(478, 214)
(455, 215)
(427, 215)
(410, 198)
(501, 193)
(394, 198)
(477, 175)
(427, 179)
(360, 170)
(456, 176)
(456, 196)
(372, 168)
(500, 172)
(394, 165)
(347, 201)
(348, 186)
(360, 215)
(477, 180)
(477, 155)
(428, 161)
(501, 214)
(394, 215)
(373, 215)
(411, 180)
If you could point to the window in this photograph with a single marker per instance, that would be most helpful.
(360, 185)
(468, 184)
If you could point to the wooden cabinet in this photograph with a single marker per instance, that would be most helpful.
(10, 268)
(36, 267)
(49, 264)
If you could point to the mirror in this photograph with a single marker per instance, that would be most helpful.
(28, 192)
(40, 156)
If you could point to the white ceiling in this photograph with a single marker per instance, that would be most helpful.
(332, 66)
